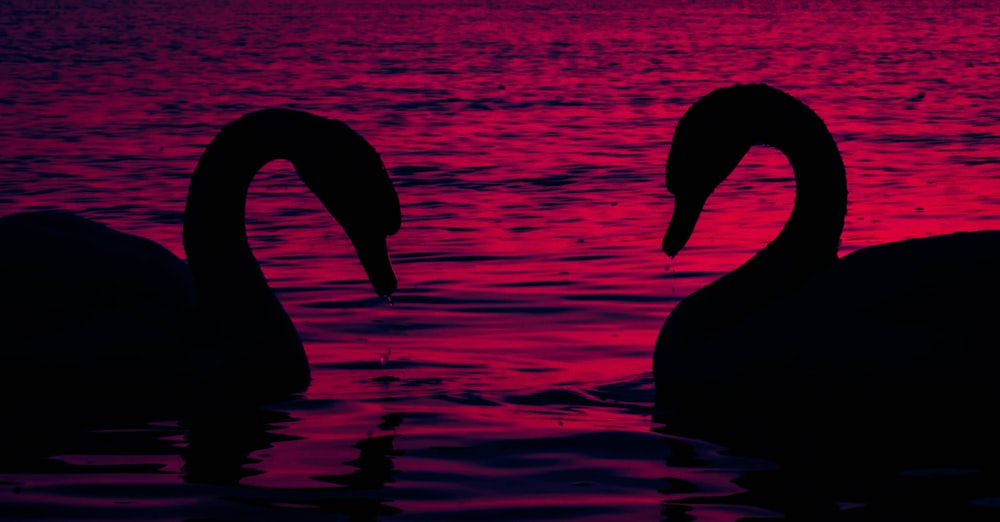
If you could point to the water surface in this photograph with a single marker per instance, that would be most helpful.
(510, 377)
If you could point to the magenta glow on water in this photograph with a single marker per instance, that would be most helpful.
(510, 377)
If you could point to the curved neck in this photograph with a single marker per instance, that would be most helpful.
(247, 334)
(813, 230)
(810, 238)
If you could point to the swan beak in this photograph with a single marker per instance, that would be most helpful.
(686, 213)
(374, 256)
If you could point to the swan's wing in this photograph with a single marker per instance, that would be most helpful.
(916, 310)
(75, 291)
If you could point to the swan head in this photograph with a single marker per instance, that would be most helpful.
(709, 141)
(347, 175)
(719, 129)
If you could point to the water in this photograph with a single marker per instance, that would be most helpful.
(510, 377)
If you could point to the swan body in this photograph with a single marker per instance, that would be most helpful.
(897, 329)
(88, 305)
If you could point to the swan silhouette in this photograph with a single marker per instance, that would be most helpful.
(905, 323)
(83, 303)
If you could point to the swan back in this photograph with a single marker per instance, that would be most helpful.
(83, 302)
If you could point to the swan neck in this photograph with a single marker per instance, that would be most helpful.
(216, 201)
(760, 115)
(817, 219)
(810, 238)
(246, 326)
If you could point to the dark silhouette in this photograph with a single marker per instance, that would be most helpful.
(375, 466)
(846, 371)
(217, 441)
(88, 305)
(221, 441)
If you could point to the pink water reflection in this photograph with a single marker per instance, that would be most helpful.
(527, 145)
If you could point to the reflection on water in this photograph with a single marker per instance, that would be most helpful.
(510, 377)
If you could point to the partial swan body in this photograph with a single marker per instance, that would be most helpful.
(84, 305)
(895, 330)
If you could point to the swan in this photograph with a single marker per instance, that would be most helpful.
(88, 305)
(896, 330)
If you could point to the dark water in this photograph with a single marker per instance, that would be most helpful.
(510, 378)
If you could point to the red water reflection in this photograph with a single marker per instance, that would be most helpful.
(527, 145)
